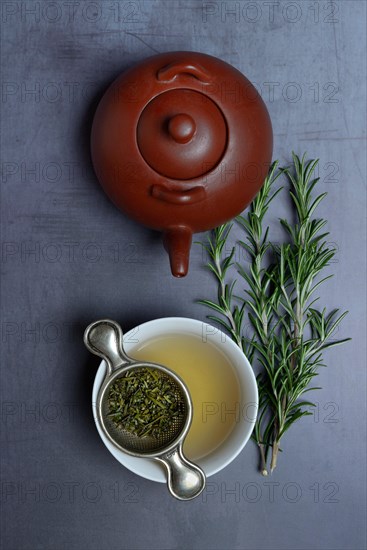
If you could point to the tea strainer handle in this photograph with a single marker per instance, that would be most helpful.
(105, 339)
(185, 479)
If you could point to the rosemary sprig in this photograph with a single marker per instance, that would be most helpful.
(219, 265)
(288, 333)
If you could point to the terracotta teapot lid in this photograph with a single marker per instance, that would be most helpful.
(182, 134)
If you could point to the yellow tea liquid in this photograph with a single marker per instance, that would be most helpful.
(211, 381)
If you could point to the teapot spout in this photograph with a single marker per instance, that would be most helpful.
(177, 242)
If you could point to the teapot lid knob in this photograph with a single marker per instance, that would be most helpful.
(181, 128)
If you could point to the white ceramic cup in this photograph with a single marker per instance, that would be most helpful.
(220, 457)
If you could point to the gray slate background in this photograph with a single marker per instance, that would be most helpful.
(61, 488)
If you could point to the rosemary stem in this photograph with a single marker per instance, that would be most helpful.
(263, 467)
(274, 455)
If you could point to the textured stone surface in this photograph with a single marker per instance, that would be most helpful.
(70, 257)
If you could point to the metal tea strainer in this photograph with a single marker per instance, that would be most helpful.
(185, 480)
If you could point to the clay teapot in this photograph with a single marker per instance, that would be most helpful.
(182, 143)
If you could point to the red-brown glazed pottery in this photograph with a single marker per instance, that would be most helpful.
(182, 143)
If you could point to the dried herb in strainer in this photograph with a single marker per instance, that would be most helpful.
(144, 402)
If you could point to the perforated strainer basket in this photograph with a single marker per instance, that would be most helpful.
(185, 480)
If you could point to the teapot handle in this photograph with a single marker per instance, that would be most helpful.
(190, 196)
(177, 242)
(171, 71)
